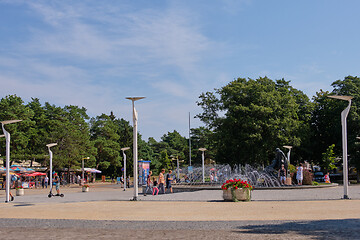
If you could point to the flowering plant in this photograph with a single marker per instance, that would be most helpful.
(235, 184)
(86, 186)
(19, 187)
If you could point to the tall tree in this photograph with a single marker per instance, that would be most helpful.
(12, 107)
(105, 138)
(250, 118)
(327, 120)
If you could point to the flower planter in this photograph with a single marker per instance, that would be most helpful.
(85, 189)
(20, 192)
(240, 194)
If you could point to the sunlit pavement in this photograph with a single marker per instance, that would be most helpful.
(186, 213)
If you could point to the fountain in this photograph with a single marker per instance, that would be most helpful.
(218, 174)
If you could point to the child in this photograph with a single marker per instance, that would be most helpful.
(327, 178)
(155, 188)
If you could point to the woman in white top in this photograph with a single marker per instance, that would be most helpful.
(299, 174)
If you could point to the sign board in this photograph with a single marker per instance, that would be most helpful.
(144, 169)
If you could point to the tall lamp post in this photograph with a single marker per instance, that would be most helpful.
(177, 165)
(344, 115)
(51, 156)
(124, 156)
(7, 139)
(135, 147)
(83, 177)
(203, 163)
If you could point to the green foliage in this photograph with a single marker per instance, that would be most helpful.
(292, 168)
(328, 159)
(105, 138)
(164, 160)
(257, 116)
(326, 121)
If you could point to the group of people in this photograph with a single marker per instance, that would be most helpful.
(299, 174)
(160, 185)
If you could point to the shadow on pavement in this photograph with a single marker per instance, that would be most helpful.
(322, 229)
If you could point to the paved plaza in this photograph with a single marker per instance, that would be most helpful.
(106, 212)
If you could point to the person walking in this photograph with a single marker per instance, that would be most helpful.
(57, 184)
(46, 181)
(155, 190)
(162, 181)
(282, 175)
(169, 179)
(299, 174)
(148, 183)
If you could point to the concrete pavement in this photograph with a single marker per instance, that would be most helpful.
(106, 212)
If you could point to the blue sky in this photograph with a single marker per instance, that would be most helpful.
(95, 53)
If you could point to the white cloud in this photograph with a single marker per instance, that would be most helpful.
(95, 56)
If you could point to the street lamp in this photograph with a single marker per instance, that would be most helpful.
(7, 139)
(51, 155)
(344, 114)
(124, 156)
(135, 147)
(83, 178)
(203, 164)
(177, 165)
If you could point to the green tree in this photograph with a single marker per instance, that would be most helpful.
(12, 107)
(328, 159)
(105, 138)
(164, 159)
(250, 118)
(202, 137)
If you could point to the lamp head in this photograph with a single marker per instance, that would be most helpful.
(2, 135)
(87, 158)
(288, 147)
(134, 98)
(10, 121)
(125, 148)
(51, 145)
(345, 98)
(202, 149)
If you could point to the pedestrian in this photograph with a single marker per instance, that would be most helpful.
(128, 181)
(299, 174)
(169, 179)
(282, 175)
(148, 183)
(155, 188)
(11, 196)
(162, 181)
(211, 177)
(46, 181)
(327, 178)
(57, 184)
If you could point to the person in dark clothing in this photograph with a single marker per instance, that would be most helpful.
(169, 179)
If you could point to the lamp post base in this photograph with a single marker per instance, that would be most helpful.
(346, 197)
(134, 199)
